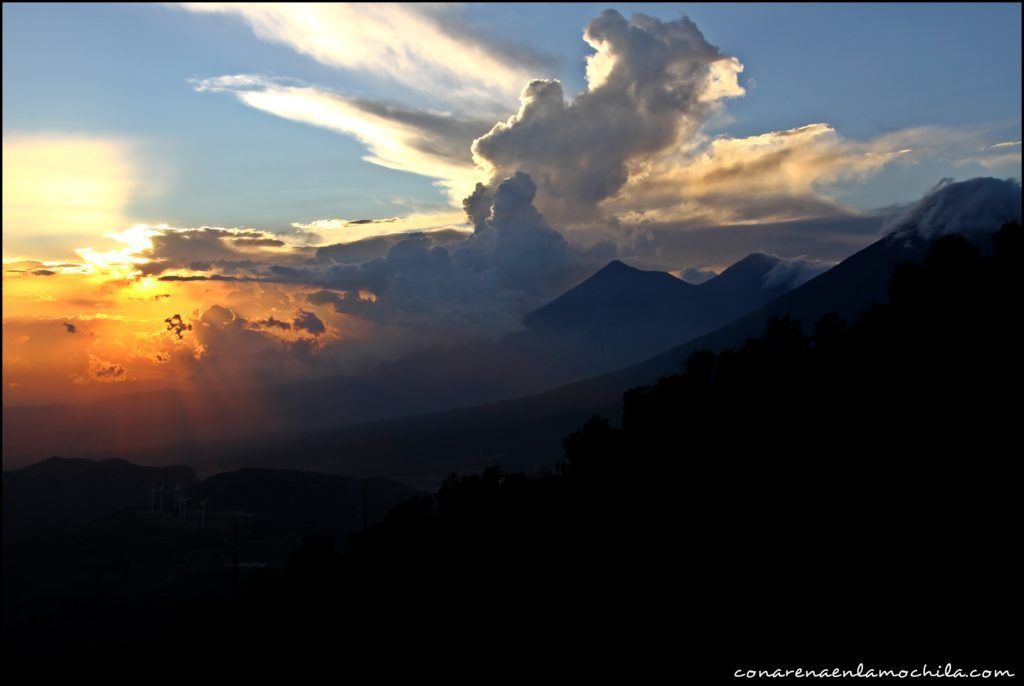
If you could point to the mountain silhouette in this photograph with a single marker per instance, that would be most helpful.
(618, 316)
(63, 494)
(524, 433)
(793, 498)
(622, 314)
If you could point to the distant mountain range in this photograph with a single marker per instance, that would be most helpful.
(618, 316)
(622, 314)
(526, 433)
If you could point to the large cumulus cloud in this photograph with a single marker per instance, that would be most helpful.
(650, 82)
(510, 264)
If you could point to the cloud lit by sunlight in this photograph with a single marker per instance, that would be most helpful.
(419, 142)
(774, 176)
(348, 230)
(58, 187)
(408, 43)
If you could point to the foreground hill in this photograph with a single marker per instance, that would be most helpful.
(89, 560)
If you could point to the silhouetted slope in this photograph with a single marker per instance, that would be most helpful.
(524, 433)
(295, 496)
(622, 314)
(616, 317)
(743, 287)
(616, 292)
(90, 571)
(846, 289)
(63, 493)
(801, 499)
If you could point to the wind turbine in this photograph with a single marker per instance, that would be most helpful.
(184, 507)
(202, 512)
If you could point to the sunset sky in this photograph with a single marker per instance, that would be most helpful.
(217, 195)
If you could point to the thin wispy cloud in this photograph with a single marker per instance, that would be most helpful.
(415, 46)
(416, 141)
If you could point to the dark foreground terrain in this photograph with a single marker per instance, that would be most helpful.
(826, 494)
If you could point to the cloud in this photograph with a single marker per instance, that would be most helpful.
(769, 177)
(790, 272)
(228, 346)
(996, 156)
(106, 372)
(304, 321)
(71, 328)
(308, 321)
(1004, 144)
(343, 302)
(153, 250)
(630, 150)
(478, 285)
(62, 187)
(426, 143)
(177, 326)
(339, 231)
(976, 206)
(650, 84)
(696, 275)
(271, 323)
(412, 45)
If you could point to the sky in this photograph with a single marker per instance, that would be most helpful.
(256, 170)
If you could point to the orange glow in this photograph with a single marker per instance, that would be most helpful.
(79, 334)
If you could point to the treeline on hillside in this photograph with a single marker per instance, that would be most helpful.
(814, 491)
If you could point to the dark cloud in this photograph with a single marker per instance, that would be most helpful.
(207, 248)
(309, 322)
(377, 246)
(247, 242)
(44, 272)
(214, 277)
(107, 371)
(343, 302)
(270, 323)
(304, 321)
(177, 326)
